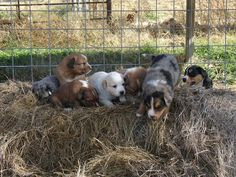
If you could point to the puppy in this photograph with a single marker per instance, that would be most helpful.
(196, 76)
(74, 94)
(72, 67)
(158, 86)
(109, 87)
(133, 78)
(45, 87)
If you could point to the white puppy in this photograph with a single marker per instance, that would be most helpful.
(109, 87)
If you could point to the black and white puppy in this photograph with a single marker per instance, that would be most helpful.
(158, 86)
(109, 87)
(196, 76)
(45, 87)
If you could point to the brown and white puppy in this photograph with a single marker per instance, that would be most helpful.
(72, 67)
(196, 76)
(158, 86)
(74, 94)
(133, 78)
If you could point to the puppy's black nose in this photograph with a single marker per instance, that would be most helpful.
(122, 92)
(184, 79)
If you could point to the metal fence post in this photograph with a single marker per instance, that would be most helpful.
(190, 15)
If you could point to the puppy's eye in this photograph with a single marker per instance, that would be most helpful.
(114, 86)
(123, 84)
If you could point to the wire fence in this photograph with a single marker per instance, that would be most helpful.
(36, 34)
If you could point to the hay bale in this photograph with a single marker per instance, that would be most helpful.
(197, 138)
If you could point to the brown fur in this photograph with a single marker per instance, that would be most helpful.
(74, 94)
(134, 80)
(72, 67)
(194, 80)
(161, 111)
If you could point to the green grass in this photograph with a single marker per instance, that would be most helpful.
(221, 61)
(218, 60)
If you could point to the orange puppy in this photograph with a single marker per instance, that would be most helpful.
(72, 67)
(74, 94)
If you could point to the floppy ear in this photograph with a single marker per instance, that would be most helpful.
(207, 83)
(126, 78)
(71, 63)
(203, 72)
(168, 97)
(104, 83)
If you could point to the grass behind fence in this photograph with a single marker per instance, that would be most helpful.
(219, 61)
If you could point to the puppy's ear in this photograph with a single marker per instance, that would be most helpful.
(71, 63)
(126, 79)
(202, 72)
(207, 83)
(104, 83)
(168, 96)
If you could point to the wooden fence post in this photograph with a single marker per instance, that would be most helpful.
(190, 16)
(18, 9)
(109, 11)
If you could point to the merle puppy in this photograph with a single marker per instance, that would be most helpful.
(45, 87)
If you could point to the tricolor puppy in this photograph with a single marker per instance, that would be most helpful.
(196, 76)
(109, 87)
(133, 78)
(72, 67)
(74, 94)
(45, 87)
(158, 86)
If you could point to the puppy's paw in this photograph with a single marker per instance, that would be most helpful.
(110, 105)
(122, 99)
(138, 114)
(107, 103)
(68, 109)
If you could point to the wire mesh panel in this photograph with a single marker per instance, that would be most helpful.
(37, 34)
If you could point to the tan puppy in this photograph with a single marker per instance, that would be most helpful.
(74, 94)
(133, 78)
(72, 67)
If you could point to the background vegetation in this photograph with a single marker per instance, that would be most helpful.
(43, 37)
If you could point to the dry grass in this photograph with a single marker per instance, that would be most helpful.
(115, 35)
(196, 139)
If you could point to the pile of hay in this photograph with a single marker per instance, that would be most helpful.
(197, 138)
